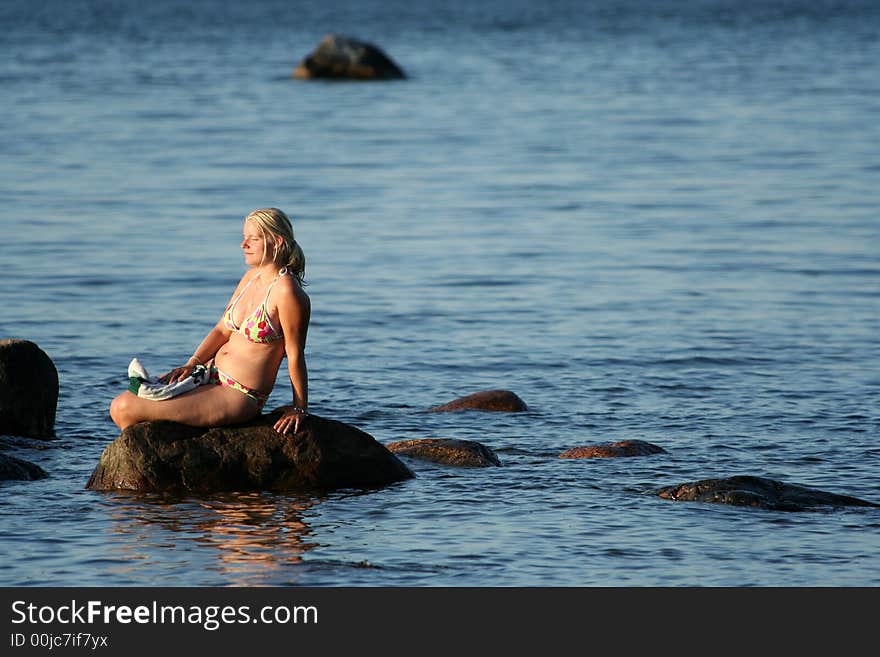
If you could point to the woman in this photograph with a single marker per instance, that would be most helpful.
(267, 317)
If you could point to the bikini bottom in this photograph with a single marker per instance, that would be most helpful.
(223, 379)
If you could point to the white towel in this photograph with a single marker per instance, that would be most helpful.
(149, 387)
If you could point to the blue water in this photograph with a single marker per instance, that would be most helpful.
(657, 221)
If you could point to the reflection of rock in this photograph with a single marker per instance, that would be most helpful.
(339, 56)
(13, 468)
(28, 390)
(252, 538)
(323, 455)
(446, 450)
(758, 491)
(240, 527)
(486, 400)
(613, 450)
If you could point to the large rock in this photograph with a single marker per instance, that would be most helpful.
(745, 490)
(613, 450)
(503, 401)
(13, 468)
(28, 390)
(449, 451)
(323, 455)
(342, 57)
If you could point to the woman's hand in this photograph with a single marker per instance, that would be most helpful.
(178, 373)
(291, 419)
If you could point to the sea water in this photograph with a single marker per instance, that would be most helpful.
(655, 221)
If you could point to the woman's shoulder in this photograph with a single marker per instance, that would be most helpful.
(290, 287)
(245, 280)
(247, 277)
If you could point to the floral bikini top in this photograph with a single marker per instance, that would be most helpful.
(256, 327)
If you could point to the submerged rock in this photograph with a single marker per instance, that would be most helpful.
(342, 57)
(745, 490)
(449, 451)
(28, 390)
(323, 455)
(13, 468)
(503, 401)
(613, 450)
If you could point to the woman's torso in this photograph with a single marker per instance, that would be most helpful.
(255, 349)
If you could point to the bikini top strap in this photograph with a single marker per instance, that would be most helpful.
(281, 273)
(240, 294)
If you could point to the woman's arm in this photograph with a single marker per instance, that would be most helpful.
(294, 311)
(216, 338)
(208, 348)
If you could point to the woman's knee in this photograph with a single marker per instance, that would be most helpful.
(120, 410)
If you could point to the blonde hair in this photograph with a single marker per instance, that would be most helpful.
(273, 223)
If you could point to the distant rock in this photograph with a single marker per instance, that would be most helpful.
(449, 451)
(745, 490)
(341, 57)
(13, 468)
(502, 401)
(613, 450)
(323, 455)
(28, 390)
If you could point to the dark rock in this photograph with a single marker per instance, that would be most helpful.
(323, 455)
(28, 390)
(446, 450)
(760, 492)
(13, 468)
(613, 450)
(342, 57)
(503, 401)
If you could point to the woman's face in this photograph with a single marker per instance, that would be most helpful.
(253, 245)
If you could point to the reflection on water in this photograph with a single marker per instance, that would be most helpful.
(242, 539)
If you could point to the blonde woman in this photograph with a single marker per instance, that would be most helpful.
(267, 318)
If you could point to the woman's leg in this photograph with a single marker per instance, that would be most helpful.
(206, 406)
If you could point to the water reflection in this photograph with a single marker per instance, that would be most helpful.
(251, 538)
